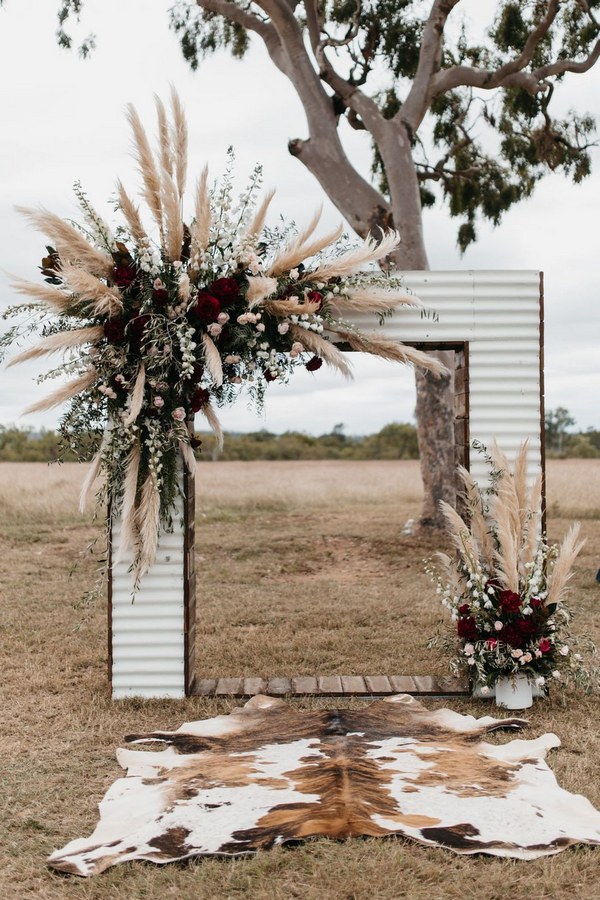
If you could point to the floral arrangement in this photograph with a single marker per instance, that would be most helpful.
(159, 324)
(505, 585)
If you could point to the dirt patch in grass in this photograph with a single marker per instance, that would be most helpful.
(301, 569)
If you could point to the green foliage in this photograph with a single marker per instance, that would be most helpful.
(394, 441)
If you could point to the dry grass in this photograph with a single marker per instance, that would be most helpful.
(300, 569)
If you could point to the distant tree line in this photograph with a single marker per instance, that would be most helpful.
(394, 441)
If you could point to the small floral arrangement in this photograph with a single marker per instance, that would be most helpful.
(505, 585)
(159, 324)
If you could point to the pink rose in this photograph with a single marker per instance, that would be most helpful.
(215, 329)
(179, 414)
(222, 318)
(159, 402)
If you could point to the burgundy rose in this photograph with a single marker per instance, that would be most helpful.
(313, 364)
(510, 601)
(535, 603)
(315, 297)
(199, 399)
(206, 308)
(544, 645)
(467, 628)
(464, 608)
(227, 290)
(195, 443)
(525, 627)
(492, 583)
(114, 330)
(160, 296)
(511, 636)
(491, 643)
(123, 276)
(269, 375)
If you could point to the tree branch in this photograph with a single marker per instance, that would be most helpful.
(235, 14)
(417, 102)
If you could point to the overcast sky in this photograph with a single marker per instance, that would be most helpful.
(62, 119)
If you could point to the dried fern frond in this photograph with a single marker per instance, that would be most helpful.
(459, 534)
(391, 350)
(348, 263)
(82, 383)
(179, 141)
(259, 288)
(132, 215)
(258, 222)
(325, 349)
(212, 419)
(62, 340)
(147, 167)
(95, 296)
(562, 570)
(129, 527)
(137, 397)
(212, 358)
(68, 241)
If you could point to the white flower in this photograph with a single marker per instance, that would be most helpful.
(485, 689)
(159, 402)
(516, 653)
(252, 318)
(243, 319)
(556, 674)
(260, 327)
(539, 681)
(527, 610)
(488, 604)
(294, 274)
(283, 327)
(564, 650)
(231, 358)
(178, 414)
(222, 318)
(468, 649)
(471, 661)
(498, 626)
(215, 329)
(157, 284)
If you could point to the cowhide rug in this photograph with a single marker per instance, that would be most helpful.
(269, 773)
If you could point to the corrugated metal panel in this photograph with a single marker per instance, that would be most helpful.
(148, 630)
(498, 313)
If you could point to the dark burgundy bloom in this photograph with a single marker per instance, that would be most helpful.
(197, 373)
(464, 609)
(206, 308)
(525, 627)
(117, 385)
(114, 330)
(269, 375)
(492, 583)
(315, 297)
(313, 364)
(535, 603)
(467, 628)
(491, 643)
(511, 636)
(199, 399)
(510, 601)
(160, 296)
(227, 290)
(544, 645)
(123, 276)
(195, 443)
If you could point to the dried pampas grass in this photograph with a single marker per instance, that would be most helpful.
(372, 300)
(561, 572)
(129, 526)
(132, 215)
(179, 139)
(258, 222)
(63, 340)
(390, 350)
(323, 348)
(173, 225)
(93, 473)
(259, 288)
(148, 525)
(82, 383)
(188, 456)
(58, 300)
(480, 528)
(200, 229)
(164, 137)
(460, 535)
(68, 241)
(212, 358)
(212, 419)
(94, 295)
(147, 167)
(351, 262)
(137, 397)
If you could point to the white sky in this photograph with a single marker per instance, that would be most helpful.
(62, 119)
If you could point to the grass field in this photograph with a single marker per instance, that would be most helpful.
(301, 570)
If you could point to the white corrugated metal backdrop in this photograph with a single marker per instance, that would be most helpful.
(498, 313)
(148, 634)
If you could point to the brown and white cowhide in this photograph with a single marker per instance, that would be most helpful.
(269, 773)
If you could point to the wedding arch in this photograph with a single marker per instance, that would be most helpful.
(493, 320)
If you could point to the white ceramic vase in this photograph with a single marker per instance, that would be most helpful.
(514, 692)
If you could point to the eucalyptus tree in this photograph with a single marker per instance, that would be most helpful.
(454, 118)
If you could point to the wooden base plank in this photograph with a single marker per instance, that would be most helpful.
(334, 686)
